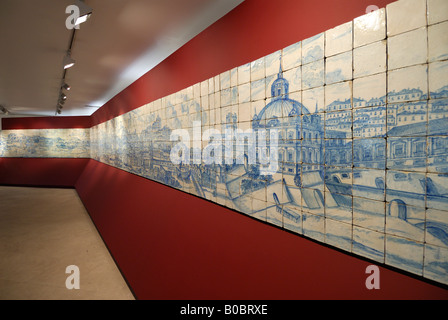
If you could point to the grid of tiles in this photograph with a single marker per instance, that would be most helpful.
(45, 143)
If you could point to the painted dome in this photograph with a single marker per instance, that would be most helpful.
(281, 105)
(280, 108)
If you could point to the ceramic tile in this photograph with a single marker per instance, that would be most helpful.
(257, 69)
(436, 149)
(260, 195)
(438, 42)
(211, 87)
(274, 215)
(204, 88)
(369, 122)
(311, 180)
(369, 28)
(338, 39)
(292, 218)
(211, 101)
(234, 95)
(297, 96)
(205, 102)
(257, 107)
(269, 81)
(272, 63)
(244, 93)
(313, 48)
(438, 79)
(369, 91)
(211, 118)
(226, 97)
(313, 74)
(338, 234)
(338, 96)
(405, 188)
(217, 83)
(408, 84)
(369, 214)
(217, 98)
(407, 153)
(437, 11)
(338, 125)
(404, 254)
(259, 208)
(406, 49)
(436, 157)
(243, 74)
(435, 258)
(405, 221)
(294, 76)
(234, 80)
(436, 193)
(338, 184)
(407, 119)
(369, 153)
(292, 56)
(368, 243)
(224, 80)
(369, 59)
(314, 100)
(188, 94)
(435, 222)
(244, 111)
(314, 226)
(338, 68)
(338, 152)
(398, 14)
(312, 203)
(310, 152)
(258, 90)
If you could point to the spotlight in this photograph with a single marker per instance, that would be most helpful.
(59, 109)
(63, 96)
(68, 62)
(84, 12)
(66, 86)
(4, 110)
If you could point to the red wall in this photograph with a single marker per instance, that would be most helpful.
(46, 123)
(41, 171)
(170, 245)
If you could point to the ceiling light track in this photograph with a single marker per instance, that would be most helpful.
(68, 61)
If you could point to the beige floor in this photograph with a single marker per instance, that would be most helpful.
(42, 231)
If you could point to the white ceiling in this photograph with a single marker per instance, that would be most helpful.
(121, 41)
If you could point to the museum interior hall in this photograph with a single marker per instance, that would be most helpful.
(224, 150)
